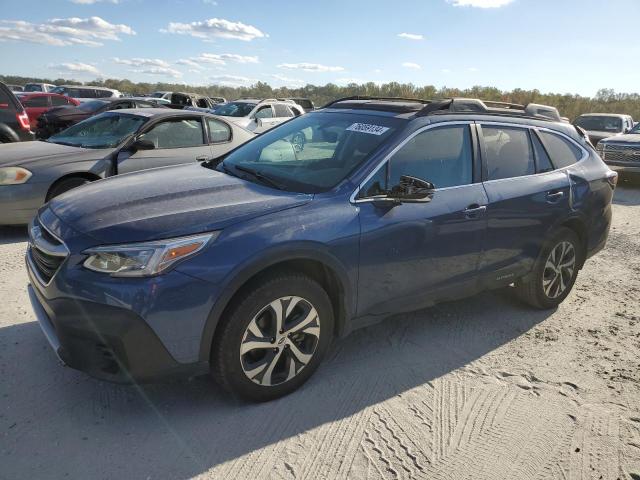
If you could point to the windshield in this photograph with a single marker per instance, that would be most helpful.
(103, 131)
(636, 128)
(59, 90)
(312, 153)
(234, 109)
(600, 124)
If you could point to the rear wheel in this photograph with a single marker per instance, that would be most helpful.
(554, 273)
(65, 186)
(274, 338)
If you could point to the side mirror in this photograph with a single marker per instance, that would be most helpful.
(142, 144)
(412, 189)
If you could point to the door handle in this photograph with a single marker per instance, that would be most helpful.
(554, 197)
(203, 158)
(474, 211)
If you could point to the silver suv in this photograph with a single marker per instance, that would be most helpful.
(258, 115)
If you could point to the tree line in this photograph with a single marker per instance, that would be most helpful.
(569, 105)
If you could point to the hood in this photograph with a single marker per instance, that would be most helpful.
(167, 202)
(43, 154)
(629, 138)
(599, 135)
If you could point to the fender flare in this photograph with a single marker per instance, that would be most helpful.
(264, 260)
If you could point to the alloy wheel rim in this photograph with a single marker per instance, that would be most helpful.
(280, 341)
(559, 269)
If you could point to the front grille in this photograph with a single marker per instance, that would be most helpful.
(46, 265)
(619, 153)
(46, 252)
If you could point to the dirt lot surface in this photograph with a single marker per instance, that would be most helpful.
(482, 389)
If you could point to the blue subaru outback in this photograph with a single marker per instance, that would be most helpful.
(249, 265)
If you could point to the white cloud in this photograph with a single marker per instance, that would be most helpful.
(411, 36)
(472, 69)
(161, 71)
(77, 68)
(411, 65)
(91, 2)
(142, 62)
(210, 2)
(216, 28)
(480, 3)
(188, 62)
(310, 67)
(232, 80)
(445, 70)
(62, 32)
(221, 59)
(293, 82)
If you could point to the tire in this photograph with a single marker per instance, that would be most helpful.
(65, 186)
(554, 272)
(252, 359)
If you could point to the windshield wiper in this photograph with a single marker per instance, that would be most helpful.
(68, 144)
(258, 176)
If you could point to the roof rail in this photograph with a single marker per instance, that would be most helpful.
(386, 99)
(475, 105)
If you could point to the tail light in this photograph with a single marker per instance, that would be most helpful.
(23, 120)
(612, 178)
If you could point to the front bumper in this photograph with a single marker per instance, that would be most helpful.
(108, 342)
(20, 203)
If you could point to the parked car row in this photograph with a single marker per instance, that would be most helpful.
(251, 257)
(51, 108)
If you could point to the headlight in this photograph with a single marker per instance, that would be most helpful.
(145, 259)
(14, 175)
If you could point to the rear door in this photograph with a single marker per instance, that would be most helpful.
(177, 140)
(265, 119)
(526, 198)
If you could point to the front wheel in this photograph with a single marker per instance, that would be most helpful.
(554, 273)
(274, 338)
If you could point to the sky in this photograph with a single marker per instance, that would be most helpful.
(562, 46)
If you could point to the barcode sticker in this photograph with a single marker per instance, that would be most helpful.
(367, 128)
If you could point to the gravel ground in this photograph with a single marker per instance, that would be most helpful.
(483, 388)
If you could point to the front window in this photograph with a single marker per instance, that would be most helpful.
(636, 129)
(312, 153)
(176, 133)
(234, 109)
(103, 131)
(600, 123)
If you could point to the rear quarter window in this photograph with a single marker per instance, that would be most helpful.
(562, 151)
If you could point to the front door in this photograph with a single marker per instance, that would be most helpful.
(176, 141)
(413, 253)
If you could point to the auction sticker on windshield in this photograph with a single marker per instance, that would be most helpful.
(368, 128)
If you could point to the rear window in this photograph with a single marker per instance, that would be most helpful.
(282, 110)
(562, 152)
(508, 152)
(32, 87)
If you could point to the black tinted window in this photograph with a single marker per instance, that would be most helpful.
(508, 152)
(543, 163)
(563, 153)
(218, 131)
(441, 156)
(58, 101)
(5, 100)
(36, 102)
